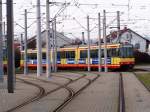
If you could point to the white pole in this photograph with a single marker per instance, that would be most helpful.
(105, 41)
(99, 42)
(39, 49)
(25, 44)
(48, 66)
(88, 34)
(1, 44)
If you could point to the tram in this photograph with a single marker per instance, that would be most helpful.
(118, 56)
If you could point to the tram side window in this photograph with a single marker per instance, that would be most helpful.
(123, 52)
(129, 52)
(4, 54)
(83, 54)
(70, 54)
(22, 55)
(94, 53)
(32, 56)
(114, 52)
(126, 52)
(58, 55)
(62, 54)
(109, 52)
(43, 55)
(102, 53)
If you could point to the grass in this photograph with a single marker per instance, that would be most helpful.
(145, 78)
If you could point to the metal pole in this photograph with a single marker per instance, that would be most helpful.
(99, 42)
(55, 45)
(22, 43)
(25, 44)
(48, 66)
(53, 58)
(118, 25)
(10, 47)
(105, 41)
(1, 44)
(4, 35)
(128, 10)
(39, 49)
(88, 34)
(4, 44)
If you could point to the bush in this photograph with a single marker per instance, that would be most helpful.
(141, 58)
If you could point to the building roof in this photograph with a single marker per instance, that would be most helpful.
(60, 37)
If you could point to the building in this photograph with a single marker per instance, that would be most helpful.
(61, 40)
(129, 36)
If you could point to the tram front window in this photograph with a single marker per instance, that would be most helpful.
(126, 52)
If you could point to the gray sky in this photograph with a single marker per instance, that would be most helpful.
(73, 19)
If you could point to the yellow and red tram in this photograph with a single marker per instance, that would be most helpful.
(119, 55)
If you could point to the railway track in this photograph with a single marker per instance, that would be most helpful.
(73, 93)
(44, 94)
(39, 95)
(69, 99)
(121, 104)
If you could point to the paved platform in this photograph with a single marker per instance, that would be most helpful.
(101, 96)
(137, 97)
(22, 91)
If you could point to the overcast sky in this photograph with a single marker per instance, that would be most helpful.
(72, 21)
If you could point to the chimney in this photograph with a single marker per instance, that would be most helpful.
(83, 39)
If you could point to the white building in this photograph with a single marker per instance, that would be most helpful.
(129, 36)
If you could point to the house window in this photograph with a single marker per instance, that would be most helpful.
(137, 46)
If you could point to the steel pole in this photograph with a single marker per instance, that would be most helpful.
(48, 66)
(1, 44)
(99, 42)
(21, 42)
(4, 35)
(88, 34)
(10, 47)
(55, 45)
(118, 25)
(25, 43)
(53, 58)
(105, 41)
(39, 47)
